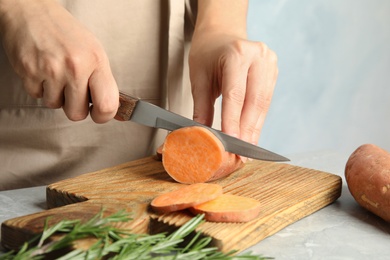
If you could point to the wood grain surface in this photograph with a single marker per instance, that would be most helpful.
(287, 193)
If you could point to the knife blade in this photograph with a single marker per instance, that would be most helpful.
(144, 113)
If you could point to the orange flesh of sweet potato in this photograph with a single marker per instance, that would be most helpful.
(367, 173)
(194, 155)
(229, 208)
(185, 197)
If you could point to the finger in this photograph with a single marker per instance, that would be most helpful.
(53, 96)
(260, 122)
(104, 94)
(233, 96)
(256, 92)
(76, 105)
(256, 132)
(259, 125)
(204, 101)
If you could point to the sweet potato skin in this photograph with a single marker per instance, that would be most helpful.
(367, 173)
(159, 152)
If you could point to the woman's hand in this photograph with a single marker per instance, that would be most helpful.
(58, 59)
(244, 72)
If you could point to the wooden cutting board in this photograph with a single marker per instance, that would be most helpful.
(287, 193)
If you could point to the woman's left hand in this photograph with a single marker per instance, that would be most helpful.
(242, 71)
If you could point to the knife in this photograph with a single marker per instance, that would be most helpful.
(145, 113)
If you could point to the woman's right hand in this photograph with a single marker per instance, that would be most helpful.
(58, 59)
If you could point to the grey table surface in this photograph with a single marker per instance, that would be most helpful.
(342, 230)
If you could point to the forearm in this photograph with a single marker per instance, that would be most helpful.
(223, 16)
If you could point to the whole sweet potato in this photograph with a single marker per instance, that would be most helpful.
(368, 177)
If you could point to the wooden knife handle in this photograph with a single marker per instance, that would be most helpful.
(126, 107)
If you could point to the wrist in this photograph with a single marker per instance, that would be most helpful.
(222, 17)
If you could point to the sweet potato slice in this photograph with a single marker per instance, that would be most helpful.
(228, 208)
(185, 197)
(194, 154)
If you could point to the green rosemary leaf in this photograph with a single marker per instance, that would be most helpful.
(193, 240)
(187, 228)
(63, 226)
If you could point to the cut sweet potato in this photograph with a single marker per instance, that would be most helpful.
(159, 152)
(229, 208)
(185, 197)
(194, 154)
(367, 173)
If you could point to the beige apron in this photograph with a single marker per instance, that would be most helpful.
(147, 47)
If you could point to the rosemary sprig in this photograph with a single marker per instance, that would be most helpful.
(117, 244)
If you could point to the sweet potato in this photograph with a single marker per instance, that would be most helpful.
(367, 173)
(185, 197)
(229, 208)
(159, 152)
(194, 154)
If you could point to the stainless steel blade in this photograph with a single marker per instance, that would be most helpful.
(150, 115)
